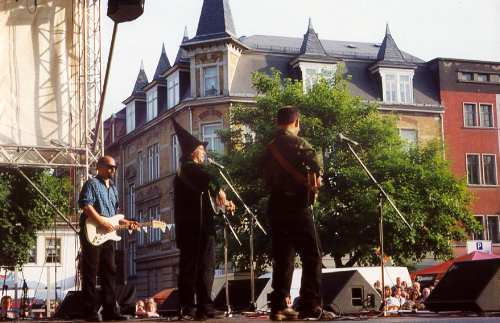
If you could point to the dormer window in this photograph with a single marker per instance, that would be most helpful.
(210, 81)
(152, 103)
(173, 89)
(482, 77)
(130, 116)
(313, 72)
(112, 131)
(397, 85)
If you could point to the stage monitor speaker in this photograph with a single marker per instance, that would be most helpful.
(125, 10)
(240, 294)
(71, 307)
(468, 286)
(170, 305)
(348, 292)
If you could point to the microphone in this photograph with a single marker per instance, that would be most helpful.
(344, 138)
(213, 162)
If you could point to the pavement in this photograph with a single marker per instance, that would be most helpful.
(451, 317)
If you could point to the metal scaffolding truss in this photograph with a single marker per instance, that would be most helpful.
(93, 75)
(85, 92)
(32, 156)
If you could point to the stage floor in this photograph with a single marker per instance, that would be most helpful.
(407, 318)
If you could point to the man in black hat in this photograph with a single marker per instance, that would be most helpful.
(286, 163)
(196, 193)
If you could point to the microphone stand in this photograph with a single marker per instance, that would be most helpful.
(229, 312)
(382, 195)
(253, 220)
(227, 224)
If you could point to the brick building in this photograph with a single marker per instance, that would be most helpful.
(470, 93)
(212, 72)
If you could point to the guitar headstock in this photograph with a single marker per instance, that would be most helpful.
(155, 224)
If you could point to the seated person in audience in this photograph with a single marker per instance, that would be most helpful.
(425, 294)
(7, 310)
(151, 308)
(404, 285)
(378, 287)
(387, 295)
(395, 301)
(398, 284)
(413, 300)
(140, 311)
(416, 286)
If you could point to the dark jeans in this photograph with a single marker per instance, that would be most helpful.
(100, 261)
(292, 230)
(196, 273)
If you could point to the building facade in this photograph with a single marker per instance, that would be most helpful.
(470, 92)
(51, 270)
(211, 73)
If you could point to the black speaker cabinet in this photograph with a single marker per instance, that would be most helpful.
(348, 292)
(170, 306)
(125, 10)
(468, 286)
(71, 307)
(240, 294)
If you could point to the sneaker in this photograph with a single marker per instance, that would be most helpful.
(187, 314)
(287, 314)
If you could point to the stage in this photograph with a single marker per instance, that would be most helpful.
(405, 318)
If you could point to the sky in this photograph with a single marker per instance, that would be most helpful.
(468, 29)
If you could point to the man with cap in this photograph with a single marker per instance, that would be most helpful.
(286, 161)
(196, 193)
(99, 200)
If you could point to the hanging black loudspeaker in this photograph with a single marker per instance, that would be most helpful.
(125, 10)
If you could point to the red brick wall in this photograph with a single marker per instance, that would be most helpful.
(460, 140)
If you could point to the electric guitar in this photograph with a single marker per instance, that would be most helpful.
(96, 236)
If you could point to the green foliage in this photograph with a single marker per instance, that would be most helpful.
(23, 211)
(418, 178)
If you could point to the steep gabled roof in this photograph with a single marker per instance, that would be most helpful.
(389, 52)
(140, 82)
(311, 45)
(216, 21)
(163, 64)
(179, 58)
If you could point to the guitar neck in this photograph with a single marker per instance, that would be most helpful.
(142, 224)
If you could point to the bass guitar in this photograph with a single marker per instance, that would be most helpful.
(96, 236)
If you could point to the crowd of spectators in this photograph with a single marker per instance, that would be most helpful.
(404, 297)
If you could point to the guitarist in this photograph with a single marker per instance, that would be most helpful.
(194, 190)
(286, 162)
(99, 200)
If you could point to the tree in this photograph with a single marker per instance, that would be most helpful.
(23, 211)
(418, 178)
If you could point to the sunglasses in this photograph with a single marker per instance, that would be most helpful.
(109, 166)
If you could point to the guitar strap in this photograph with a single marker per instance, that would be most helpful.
(191, 186)
(296, 175)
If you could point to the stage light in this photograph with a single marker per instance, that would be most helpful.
(125, 10)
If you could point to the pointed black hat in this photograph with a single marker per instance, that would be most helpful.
(187, 141)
